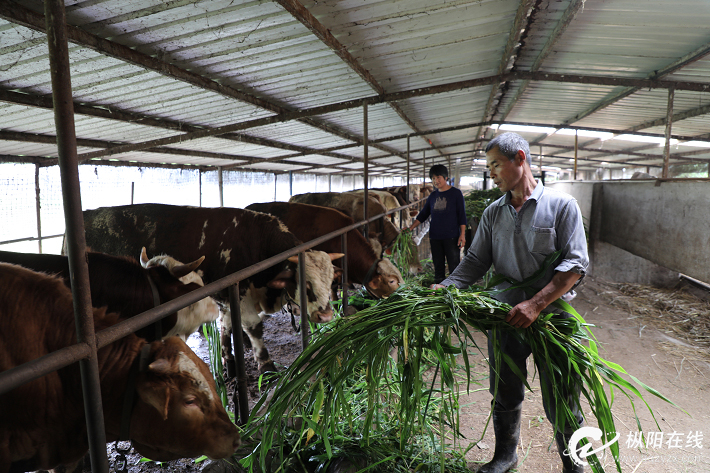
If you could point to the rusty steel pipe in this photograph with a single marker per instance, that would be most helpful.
(344, 277)
(242, 399)
(303, 299)
(19, 375)
(55, 17)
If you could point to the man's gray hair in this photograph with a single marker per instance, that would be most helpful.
(509, 144)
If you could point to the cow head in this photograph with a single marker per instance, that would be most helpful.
(178, 413)
(320, 275)
(191, 317)
(385, 280)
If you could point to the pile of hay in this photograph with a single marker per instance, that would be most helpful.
(673, 311)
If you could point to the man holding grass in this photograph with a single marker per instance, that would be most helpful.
(516, 234)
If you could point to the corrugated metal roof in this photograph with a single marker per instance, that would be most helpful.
(147, 70)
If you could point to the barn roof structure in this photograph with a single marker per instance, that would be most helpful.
(289, 85)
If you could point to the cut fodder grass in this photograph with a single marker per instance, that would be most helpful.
(673, 311)
(347, 387)
(404, 252)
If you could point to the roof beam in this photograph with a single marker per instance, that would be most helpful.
(560, 28)
(689, 58)
(508, 56)
(25, 17)
(301, 13)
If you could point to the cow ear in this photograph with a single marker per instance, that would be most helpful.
(334, 256)
(184, 269)
(144, 257)
(156, 396)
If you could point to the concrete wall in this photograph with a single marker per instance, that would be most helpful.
(666, 223)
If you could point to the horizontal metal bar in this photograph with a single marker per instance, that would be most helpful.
(7, 242)
(26, 372)
(19, 375)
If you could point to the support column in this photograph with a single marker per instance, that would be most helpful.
(241, 397)
(303, 299)
(221, 188)
(576, 147)
(37, 209)
(408, 189)
(55, 17)
(669, 124)
(367, 179)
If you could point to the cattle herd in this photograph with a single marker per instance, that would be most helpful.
(176, 412)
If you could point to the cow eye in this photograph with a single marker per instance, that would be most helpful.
(190, 401)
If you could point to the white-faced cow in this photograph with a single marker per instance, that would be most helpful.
(176, 412)
(191, 317)
(230, 239)
(123, 286)
(307, 222)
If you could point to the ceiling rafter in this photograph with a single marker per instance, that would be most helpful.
(305, 17)
(25, 17)
(561, 26)
(507, 58)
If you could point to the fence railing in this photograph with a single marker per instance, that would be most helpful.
(21, 374)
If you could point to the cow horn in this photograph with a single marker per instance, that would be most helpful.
(144, 257)
(293, 259)
(183, 269)
(160, 366)
(334, 256)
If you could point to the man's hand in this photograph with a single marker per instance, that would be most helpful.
(523, 314)
(527, 312)
(436, 286)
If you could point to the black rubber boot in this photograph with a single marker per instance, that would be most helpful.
(568, 465)
(506, 425)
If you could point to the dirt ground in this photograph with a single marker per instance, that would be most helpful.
(648, 349)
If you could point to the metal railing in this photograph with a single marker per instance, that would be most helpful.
(21, 374)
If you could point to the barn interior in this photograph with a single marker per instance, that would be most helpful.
(225, 102)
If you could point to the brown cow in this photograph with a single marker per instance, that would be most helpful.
(123, 286)
(308, 222)
(176, 413)
(351, 204)
(230, 239)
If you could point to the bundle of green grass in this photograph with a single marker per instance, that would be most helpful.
(348, 395)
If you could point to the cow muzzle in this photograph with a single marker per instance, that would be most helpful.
(321, 316)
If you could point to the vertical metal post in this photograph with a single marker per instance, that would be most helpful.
(576, 146)
(408, 200)
(55, 17)
(485, 180)
(37, 209)
(303, 299)
(241, 399)
(290, 183)
(423, 168)
(221, 187)
(344, 279)
(540, 156)
(199, 184)
(133, 191)
(330, 183)
(276, 180)
(669, 124)
(366, 178)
